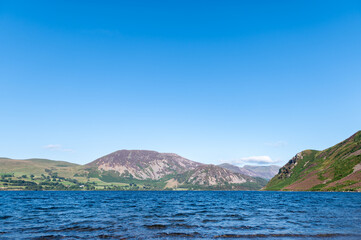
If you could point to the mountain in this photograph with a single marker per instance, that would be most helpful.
(143, 164)
(337, 168)
(211, 176)
(166, 170)
(266, 172)
(122, 170)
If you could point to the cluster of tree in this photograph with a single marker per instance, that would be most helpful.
(7, 175)
(18, 183)
(52, 181)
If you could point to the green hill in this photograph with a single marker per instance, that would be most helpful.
(337, 168)
(37, 166)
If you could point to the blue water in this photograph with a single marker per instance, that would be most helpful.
(180, 215)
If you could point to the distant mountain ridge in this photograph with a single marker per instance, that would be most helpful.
(266, 172)
(337, 168)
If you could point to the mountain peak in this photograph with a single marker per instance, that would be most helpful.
(143, 164)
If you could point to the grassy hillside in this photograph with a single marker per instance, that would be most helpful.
(337, 168)
(37, 166)
(44, 174)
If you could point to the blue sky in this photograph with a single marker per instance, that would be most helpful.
(213, 81)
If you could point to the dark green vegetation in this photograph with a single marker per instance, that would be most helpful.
(335, 169)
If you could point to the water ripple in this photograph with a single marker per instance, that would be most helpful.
(179, 215)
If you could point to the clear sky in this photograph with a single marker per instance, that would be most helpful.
(213, 81)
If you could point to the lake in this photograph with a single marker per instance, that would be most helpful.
(179, 215)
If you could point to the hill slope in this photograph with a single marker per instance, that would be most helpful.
(37, 166)
(337, 168)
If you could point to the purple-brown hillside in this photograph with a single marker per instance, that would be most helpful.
(144, 164)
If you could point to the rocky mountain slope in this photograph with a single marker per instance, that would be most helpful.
(167, 170)
(266, 172)
(143, 164)
(211, 176)
(337, 168)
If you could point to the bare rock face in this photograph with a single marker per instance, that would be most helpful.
(286, 170)
(143, 164)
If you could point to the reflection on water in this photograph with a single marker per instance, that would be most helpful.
(180, 215)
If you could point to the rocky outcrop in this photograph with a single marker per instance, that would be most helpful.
(286, 170)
